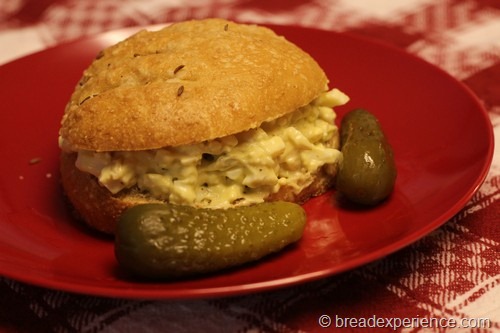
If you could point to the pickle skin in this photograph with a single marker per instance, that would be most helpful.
(367, 174)
(161, 241)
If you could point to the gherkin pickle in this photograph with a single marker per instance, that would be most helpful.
(168, 241)
(367, 173)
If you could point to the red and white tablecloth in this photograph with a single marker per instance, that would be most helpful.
(452, 273)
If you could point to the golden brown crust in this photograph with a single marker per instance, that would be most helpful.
(323, 181)
(92, 202)
(190, 82)
(100, 209)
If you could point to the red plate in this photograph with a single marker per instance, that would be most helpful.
(442, 138)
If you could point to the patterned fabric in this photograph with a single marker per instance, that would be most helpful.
(452, 273)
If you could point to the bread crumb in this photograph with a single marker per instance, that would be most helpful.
(35, 160)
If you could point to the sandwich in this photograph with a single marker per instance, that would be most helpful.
(205, 113)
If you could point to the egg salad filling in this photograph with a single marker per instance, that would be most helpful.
(238, 169)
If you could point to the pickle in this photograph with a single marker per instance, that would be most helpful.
(168, 241)
(367, 173)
